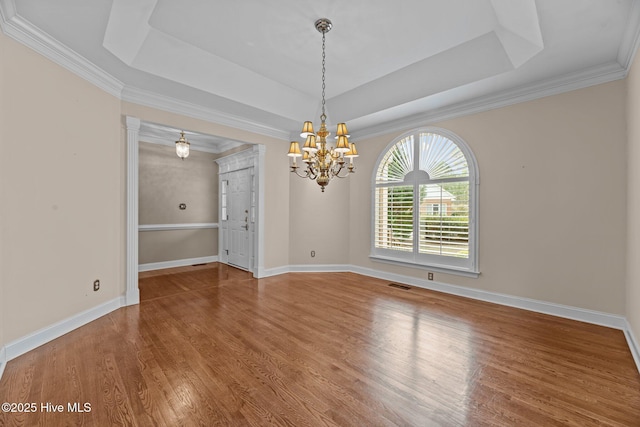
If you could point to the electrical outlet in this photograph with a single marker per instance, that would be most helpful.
(430, 275)
(96, 285)
(313, 254)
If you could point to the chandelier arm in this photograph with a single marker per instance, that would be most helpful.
(312, 173)
(336, 173)
(305, 175)
(345, 176)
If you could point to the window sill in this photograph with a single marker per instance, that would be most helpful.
(430, 267)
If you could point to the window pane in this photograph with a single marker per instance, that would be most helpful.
(397, 162)
(394, 218)
(223, 201)
(441, 158)
(444, 219)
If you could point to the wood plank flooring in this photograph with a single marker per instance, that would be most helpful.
(210, 345)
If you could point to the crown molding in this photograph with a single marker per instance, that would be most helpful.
(29, 35)
(155, 139)
(166, 103)
(630, 38)
(582, 79)
(26, 33)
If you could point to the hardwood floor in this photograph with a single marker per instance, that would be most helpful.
(210, 346)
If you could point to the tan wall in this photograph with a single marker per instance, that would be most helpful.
(3, 107)
(542, 163)
(633, 199)
(171, 245)
(319, 222)
(62, 183)
(276, 192)
(166, 181)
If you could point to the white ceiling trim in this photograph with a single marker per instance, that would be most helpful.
(631, 38)
(146, 49)
(570, 82)
(153, 139)
(26, 33)
(172, 105)
(164, 135)
(518, 29)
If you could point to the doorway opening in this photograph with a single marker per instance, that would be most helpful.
(252, 158)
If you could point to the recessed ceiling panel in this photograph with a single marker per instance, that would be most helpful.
(259, 62)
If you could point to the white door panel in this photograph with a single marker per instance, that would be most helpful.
(239, 223)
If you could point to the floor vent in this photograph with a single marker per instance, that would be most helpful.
(396, 285)
(198, 265)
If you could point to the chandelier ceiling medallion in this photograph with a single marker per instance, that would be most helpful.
(323, 162)
(182, 147)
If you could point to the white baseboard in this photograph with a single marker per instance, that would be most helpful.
(268, 272)
(308, 268)
(38, 338)
(559, 310)
(319, 268)
(177, 263)
(574, 313)
(44, 335)
(3, 360)
(633, 344)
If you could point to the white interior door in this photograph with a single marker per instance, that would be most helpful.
(239, 222)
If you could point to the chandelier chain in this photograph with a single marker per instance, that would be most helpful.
(322, 162)
(324, 116)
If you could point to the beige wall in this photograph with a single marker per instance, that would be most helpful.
(276, 192)
(633, 199)
(62, 193)
(542, 164)
(166, 181)
(3, 106)
(172, 245)
(319, 222)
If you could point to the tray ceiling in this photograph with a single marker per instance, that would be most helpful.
(256, 64)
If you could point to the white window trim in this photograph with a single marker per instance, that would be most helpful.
(433, 263)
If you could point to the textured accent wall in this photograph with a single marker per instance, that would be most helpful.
(165, 182)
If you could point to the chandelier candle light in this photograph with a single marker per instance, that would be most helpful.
(182, 147)
(323, 163)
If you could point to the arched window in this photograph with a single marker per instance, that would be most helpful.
(425, 203)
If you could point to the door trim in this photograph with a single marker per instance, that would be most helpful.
(250, 158)
(132, 125)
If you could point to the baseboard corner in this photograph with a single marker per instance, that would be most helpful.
(3, 360)
(633, 343)
(177, 263)
(31, 341)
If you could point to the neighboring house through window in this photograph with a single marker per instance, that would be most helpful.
(425, 203)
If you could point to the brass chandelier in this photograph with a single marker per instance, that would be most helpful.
(323, 163)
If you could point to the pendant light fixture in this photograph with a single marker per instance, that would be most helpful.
(323, 162)
(182, 147)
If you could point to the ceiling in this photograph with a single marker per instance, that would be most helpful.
(256, 64)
